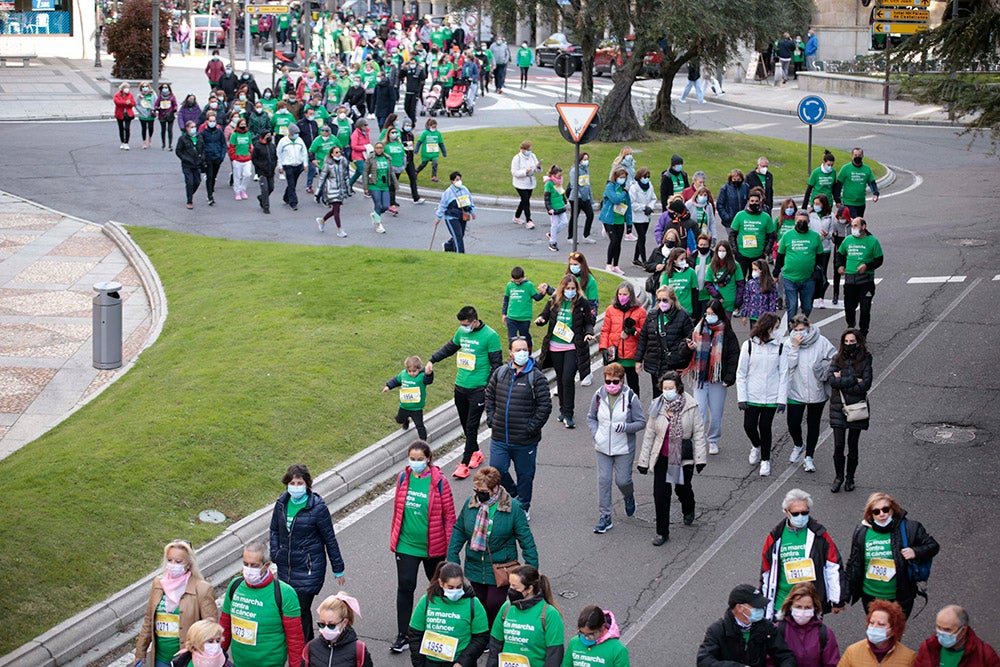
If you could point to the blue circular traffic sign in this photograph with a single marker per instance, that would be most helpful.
(812, 109)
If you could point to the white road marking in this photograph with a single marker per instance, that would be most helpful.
(748, 127)
(632, 631)
(918, 180)
(931, 280)
(517, 93)
(996, 277)
(867, 136)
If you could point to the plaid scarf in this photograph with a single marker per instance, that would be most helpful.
(480, 533)
(672, 410)
(708, 354)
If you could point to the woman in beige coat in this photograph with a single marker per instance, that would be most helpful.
(179, 598)
(674, 446)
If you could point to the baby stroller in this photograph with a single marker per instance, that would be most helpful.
(458, 99)
(433, 101)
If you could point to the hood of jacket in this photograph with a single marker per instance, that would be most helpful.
(613, 631)
(528, 603)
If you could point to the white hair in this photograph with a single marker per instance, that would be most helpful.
(795, 496)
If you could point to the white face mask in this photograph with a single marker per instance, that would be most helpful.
(454, 594)
(856, 233)
(722, 254)
(826, 168)
(762, 170)
(253, 575)
(803, 616)
(681, 264)
(458, 182)
(330, 634)
(212, 648)
(176, 569)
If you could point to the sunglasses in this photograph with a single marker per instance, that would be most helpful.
(803, 513)
(663, 301)
(881, 510)
(612, 381)
(323, 626)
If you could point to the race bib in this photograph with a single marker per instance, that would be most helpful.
(620, 209)
(410, 395)
(513, 660)
(466, 360)
(167, 625)
(432, 148)
(881, 569)
(165, 104)
(244, 631)
(464, 201)
(563, 332)
(283, 130)
(440, 647)
(408, 145)
(583, 180)
(749, 241)
(798, 571)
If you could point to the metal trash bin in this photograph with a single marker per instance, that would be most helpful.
(107, 326)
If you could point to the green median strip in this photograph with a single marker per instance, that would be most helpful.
(271, 354)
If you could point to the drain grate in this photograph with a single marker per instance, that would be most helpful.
(945, 434)
(212, 516)
(569, 595)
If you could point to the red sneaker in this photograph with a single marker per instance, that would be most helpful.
(461, 471)
(476, 460)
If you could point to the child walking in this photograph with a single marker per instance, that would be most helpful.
(517, 308)
(431, 145)
(760, 295)
(555, 204)
(412, 383)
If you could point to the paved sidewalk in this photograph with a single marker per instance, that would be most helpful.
(48, 266)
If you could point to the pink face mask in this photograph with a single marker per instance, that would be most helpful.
(623, 299)
(203, 659)
(613, 388)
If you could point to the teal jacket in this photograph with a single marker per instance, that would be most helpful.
(510, 529)
(615, 194)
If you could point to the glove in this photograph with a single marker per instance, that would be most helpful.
(742, 405)
(699, 467)
(619, 428)
(642, 470)
(781, 408)
(647, 210)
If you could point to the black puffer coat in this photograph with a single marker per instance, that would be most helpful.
(853, 391)
(661, 341)
(343, 652)
(583, 325)
(724, 646)
(518, 404)
(301, 554)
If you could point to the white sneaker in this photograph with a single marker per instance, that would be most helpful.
(819, 303)
(379, 229)
(587, 239)
(809, 466)
(629, 237)
(713, 448)
(754, 457)
(796, 454)
(765, 468)
(587, 381)
(321, 224)
(121, 146)
(618, 270)
(126, 147)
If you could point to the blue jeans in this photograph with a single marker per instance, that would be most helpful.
(380, 200)
(712, 397)
(523, 457)
(519, 328)
(799, 294)
(696, 84)
(310, 174)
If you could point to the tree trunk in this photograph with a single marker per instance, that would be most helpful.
(663, 119)
(588, 45)
(618, 120)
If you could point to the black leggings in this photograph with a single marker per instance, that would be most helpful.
(305, 605)
(853, 436)
(615, 234)
(838, 261)
(757, 425)
(814, 420)
(524, 76)
(640, 243)
(147, 128)
(470, 403)
(124, 129)
(632, 379)
(166, 133)
(564, 364)
(587, 208)
(859, 295)
(407, 568)
(524, 206)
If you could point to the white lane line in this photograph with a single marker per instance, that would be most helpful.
(996, 277)
(918, 180)
(934, 280)
(518, 93)
(866, 136)
(653, 611)
(748, 127)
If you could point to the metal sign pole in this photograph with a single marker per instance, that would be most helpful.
(576, 198)
(246, 38)
(274, 49)
(156, 43)
(809, 161)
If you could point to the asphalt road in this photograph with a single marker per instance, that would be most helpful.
(936, 361)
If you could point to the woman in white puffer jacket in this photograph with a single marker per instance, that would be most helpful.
(523, 168)
(809, 356)
(762, 386)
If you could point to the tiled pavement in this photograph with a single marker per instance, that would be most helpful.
(49, 264)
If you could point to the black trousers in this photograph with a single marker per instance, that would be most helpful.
(587, 208)
(124, 129)
(757, 422)
(407, 568)
(632, 379)
(211, 173)
(615, 234)
(470, 403)
(147, 128)
(167, 133)
(305, 604)
(814, 420)
(662, 491)
(564, 364)
(404, 417)
(410, 107)
(838, 261)
(292, 173)
(524, 206)
(745, 262)
(859, 295)
(192, 179)
(640, 244)
(524, 76)
(823, 261)
(266, 182)
(849, 437)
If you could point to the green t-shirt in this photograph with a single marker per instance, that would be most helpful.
(270, 105)
(590, 289)
(784, 227)
(321, 113)
(563, 331)
(685, 284)
(258, 635)
(167, 627)
(519, 300)
(751, 230)
(523, 633)
(859, 251)
(344, 133)
(611, 653)
(473, 360)
(456, 620)
(368, 79)
(437, 38)
(855, 181)
(430, 145)
(413, 534)
(321, 147)
(242, 141)
(793, 548)
(800, 254)
(293, 508)
(446, 72)
(281, 121)
(524, 57)
(412, 391)
(878, 546)
(397, 153)
(822, 183)
(951, 658)
(381, 173)
(282, 21)
(729, 290)
(557, 195)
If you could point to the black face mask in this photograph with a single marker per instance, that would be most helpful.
(801, 227)
(703, 251)
(858, 161)
(483, 496)
(514, 596)
(754, 208)
(850, 349)
(737, 184)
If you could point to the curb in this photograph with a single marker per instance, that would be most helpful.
(881, 120)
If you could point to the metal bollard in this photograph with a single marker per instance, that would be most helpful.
(107, 326)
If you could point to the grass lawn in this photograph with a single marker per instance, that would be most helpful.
(271, 354)
(483, 157)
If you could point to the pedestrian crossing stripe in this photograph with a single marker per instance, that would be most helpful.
(930, 280)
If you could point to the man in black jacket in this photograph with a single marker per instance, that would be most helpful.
(265, 161)
(414, 75)
(762, 178)
(518, 404)
(742, 636)
(229, 82)
(191, 151)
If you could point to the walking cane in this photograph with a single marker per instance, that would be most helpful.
(434, 233)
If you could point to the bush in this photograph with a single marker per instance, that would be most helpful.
(129, 40)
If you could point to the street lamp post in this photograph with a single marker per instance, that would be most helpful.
(97, 33)
(156, 44)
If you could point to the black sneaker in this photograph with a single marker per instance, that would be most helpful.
(401, 644)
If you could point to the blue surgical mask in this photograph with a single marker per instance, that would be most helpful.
(575, 269)
(799, 521)
(644, 180)
(756, 615)
(876, 635)
(678, 168)
(418, 466)
(454, 594)
(587, 642)
(711, 318)
(670, 394)
(569, 294)
(521, 357)
(818, 208)
(789, 212)
(212, 123)
(620, 181)
(883, 522)
(945, 639)
(702, 200)
(584, 163)
(465, 328)
(296, 491)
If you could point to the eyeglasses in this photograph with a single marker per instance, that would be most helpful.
(187, 542)
(802, 513)
(322, 626)
(881, 510)
(607, 381)
(663, 301)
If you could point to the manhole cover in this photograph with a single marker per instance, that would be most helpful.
(944, 434)
(569, 595)
(967, 243)
(212, 516)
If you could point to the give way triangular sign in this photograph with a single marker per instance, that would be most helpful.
(577, 118)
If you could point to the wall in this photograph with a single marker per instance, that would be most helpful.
(78, 46)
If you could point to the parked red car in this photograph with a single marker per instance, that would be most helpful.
(608, 58)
